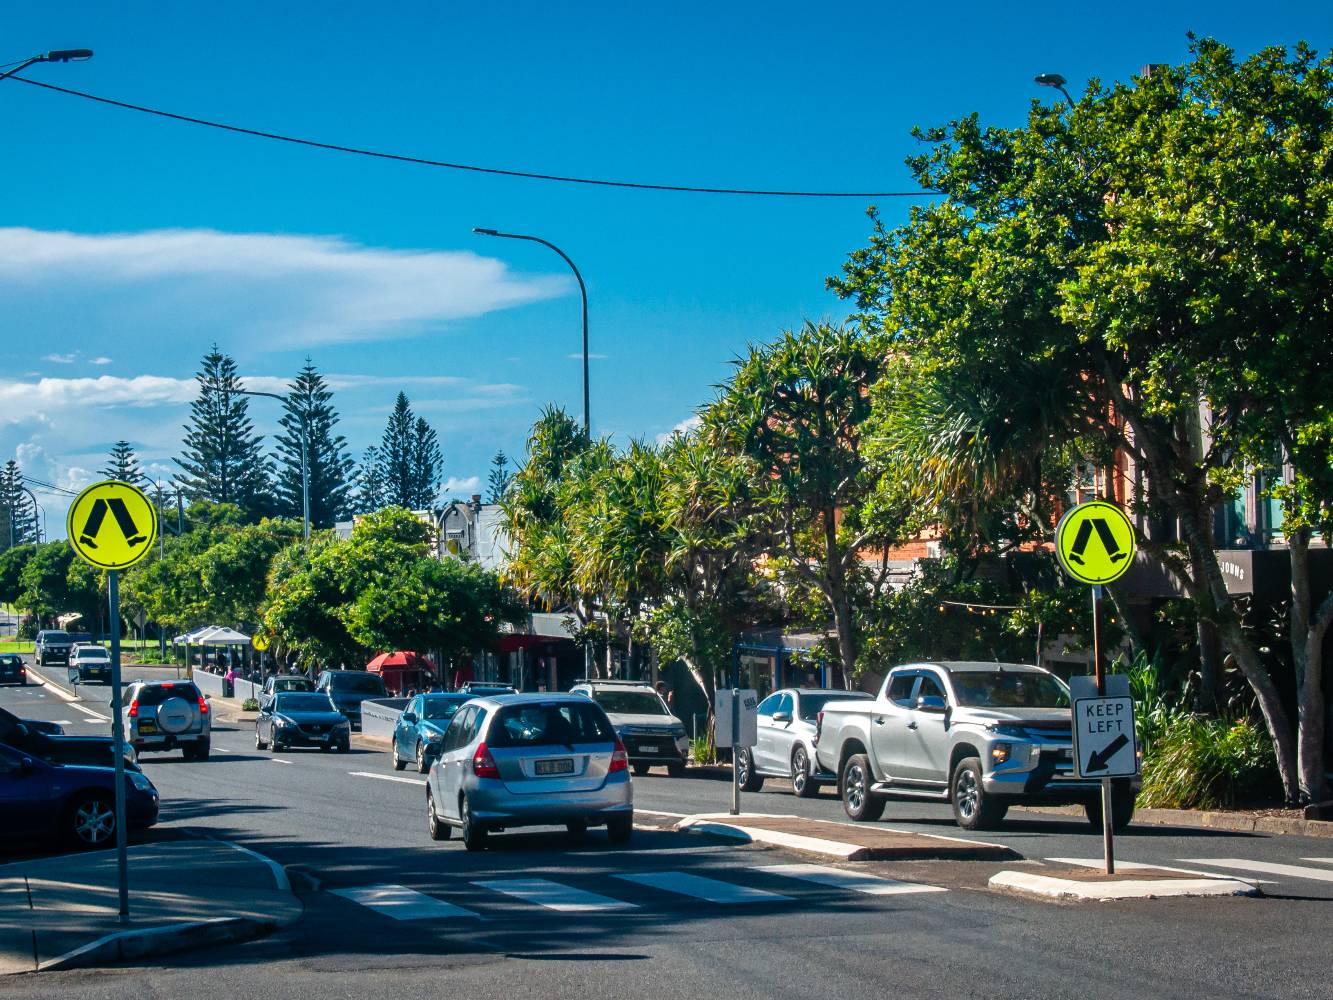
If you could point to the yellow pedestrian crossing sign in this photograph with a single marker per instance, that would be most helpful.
(1095, 542)
(111, 524)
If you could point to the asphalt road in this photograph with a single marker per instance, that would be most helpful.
(673, 915)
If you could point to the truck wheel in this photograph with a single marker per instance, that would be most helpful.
(746, 777)
(857, 800)
(973, 807)
(1122, 808)
(802, 784)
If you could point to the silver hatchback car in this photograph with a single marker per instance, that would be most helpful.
(529, 760)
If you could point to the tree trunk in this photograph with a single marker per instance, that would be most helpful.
(839, 601)
(1308, 628)
(704, 678)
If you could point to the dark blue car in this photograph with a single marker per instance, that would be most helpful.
(421, 728)
(74, 803)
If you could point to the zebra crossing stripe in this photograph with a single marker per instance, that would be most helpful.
(712, 890)
(555, 896)
(1268, 867)
(840, 878)
(402, 903)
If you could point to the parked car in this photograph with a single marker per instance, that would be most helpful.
(421, 727)
(786, 733)
(72, 802)
(12, 669)
(168, 715)
(651, 734)
(529, 760)
(36, 739)
(93, 663)
(302, 719)
(475, 688)
(277, 683)
(981, 736)
(348, 689)
(51, 645)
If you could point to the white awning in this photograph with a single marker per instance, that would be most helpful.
(212, 635)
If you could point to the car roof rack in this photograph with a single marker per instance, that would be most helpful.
(612, 680)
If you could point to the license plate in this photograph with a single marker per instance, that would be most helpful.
(564, 766)
(147, 727)
(645, 748)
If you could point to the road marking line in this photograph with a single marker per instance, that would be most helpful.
(840, 878)
(1322, 861)
(388, 777)
(712, 890)
(88, 711)
(70, 722)
(402, 903)
(279, 760)
(555, 896)
(1138, 865)
(1268, 867)
(279, 873)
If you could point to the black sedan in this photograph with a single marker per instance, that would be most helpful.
(12, 670)
(302, 719)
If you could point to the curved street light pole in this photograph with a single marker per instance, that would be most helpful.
(57, 55)
(1058, 82)
(305, 444)
(583, 291)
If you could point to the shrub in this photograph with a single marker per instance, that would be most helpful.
(250, 705)
(1196, 762)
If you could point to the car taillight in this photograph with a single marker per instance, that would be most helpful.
(134, 709)
(819, 725)
(203, 706)
(483, 764)
(619, 759)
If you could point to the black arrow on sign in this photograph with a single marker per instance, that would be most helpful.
(1099, 759)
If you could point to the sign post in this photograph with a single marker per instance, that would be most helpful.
(112, 546)
(736, 725)
(1095, 544)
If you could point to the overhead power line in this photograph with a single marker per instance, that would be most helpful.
(471, 167)
(50, 486)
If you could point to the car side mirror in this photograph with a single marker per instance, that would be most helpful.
(782, 717)
(932, 703)
(26, 765)
(21, 729)
(409, 717)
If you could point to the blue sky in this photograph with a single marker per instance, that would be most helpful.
(129, 245)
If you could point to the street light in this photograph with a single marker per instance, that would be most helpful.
(583, 291)
(1054, 80)
(305, 474)
(56, 55)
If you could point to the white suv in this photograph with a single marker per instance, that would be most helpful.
(93, 662)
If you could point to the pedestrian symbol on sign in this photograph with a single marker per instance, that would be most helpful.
(111, 525)
(124, 521)
(1095, 542)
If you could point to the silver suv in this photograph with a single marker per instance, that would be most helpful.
(651, 734)
(168, 715)
(92, 661)
(529, 760)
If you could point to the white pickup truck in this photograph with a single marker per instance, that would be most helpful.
(981, 736)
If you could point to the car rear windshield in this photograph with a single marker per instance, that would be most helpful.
(93, 653)
(558, 723)
(630, 702)
(813, 704)
(357, 683)
(293, 684)
(441, 708)
(1009, 689)
(156, 694)
(55, 637)
(11, 660)
(304, 701)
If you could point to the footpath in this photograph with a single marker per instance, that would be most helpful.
(61, 912)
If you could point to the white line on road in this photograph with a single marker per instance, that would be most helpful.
(840, 878)
(555, 896)
(279, 873)
(1320, 861)
(710, 889)
(88, 711)
(402, 903)
(279, 760)
(388, 777)
(1269, 867)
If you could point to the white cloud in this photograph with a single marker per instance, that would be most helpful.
(100, 361)
(456, 487)
(47, 394)
(286, 290)
(686, 426)
(60, 359)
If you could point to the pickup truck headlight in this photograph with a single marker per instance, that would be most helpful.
(1000, 752)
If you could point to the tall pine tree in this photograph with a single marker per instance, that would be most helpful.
(330, 467)
(370, 483)
(410, 460)
(19, 525)
(223, 461)
(497, 483)
(123, 464)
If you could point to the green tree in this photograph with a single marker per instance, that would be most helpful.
(123, 464)
(371, 494)
(222, 461)
(410, 463)
(796, 411)
(20, 527)
(497, 482)
(57, 582)
(1135, 273)
(329, 469)
(12, 561)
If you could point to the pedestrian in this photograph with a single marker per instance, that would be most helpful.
(664, 692)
